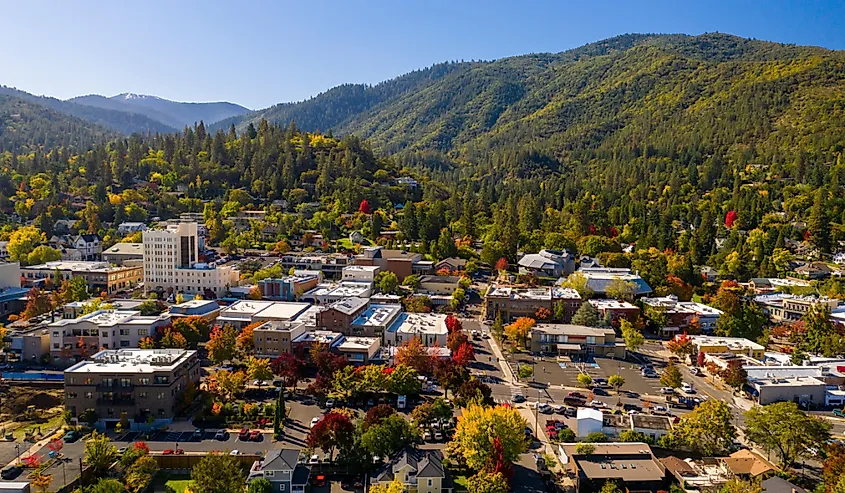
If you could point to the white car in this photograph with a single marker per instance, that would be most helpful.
(315, 420)
(595, 403)
(438, 435)
(427, 436)
(315, 459)
(686, 387)
(667, 390)
(545, 408)
(695, 371)
(235, 452)
(330, 403)
(659, 410)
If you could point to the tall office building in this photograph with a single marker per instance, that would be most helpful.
(171, 263)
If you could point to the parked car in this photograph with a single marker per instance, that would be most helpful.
(72, 436)
(687, 387)
(315, 420)
(198, 434)
(570, 412)
(595, 403)
(438, 436)
(600, 382)
(426, 436)
(600, 391)
(330, 403)
(319, 480)
(577, 395)
(255, 436)
(544, 408)
(11, 473)
(315, 459)
(560, 409)
(667, 390)
(243, 435)
(221, 435)
(696, 372)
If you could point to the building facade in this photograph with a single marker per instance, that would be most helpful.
(100, 276)
(576, 341)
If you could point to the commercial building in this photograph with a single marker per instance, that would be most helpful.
(141, 383)
(328, 293)
(288, 288)
(171, 264)
(76, 338)
(808, 391)
(710, 473)
(547, 263)
(360, 273)
(376, 320)
(576, 341)
(430, 328)
(12, 295)
(359, 350)
(31, 344)
(631, 465)
(100, 276)
(782, 307)
(600, 278)
(331, 265)
(735, 345)
(452, 264)
(614, 310)
(275, 338)
(244, 312)
(338, 316)
(438, 285)
(207, 309)
(649, 425)
(400, 262)
(301, 345)
(123, 253)
(682, 313)
(511, 302)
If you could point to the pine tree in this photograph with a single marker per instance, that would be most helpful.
(279, 417)
(819, 224)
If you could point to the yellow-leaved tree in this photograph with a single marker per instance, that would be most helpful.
(395, 486)
(479, 427)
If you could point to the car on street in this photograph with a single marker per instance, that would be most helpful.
(687, 388)
(243, 435)
(485, 335)
(315, 420)
(11, 473)
(600, 391)
(235, 452)
(570, 412)
(518, 398)
(696, 372)
(560, 409)
(330, 403)
(577, 395)
(595, 403)
(319, 480)
(659, 410)
(72, 436)
(221, 435)
(545, 408)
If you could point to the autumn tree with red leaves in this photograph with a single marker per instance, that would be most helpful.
(453, 324)
(502, 264)
(365, 207)
(327, 363)
(455, 340)
(464, 355)
(289, 367)
(414, 354)
(333, 430)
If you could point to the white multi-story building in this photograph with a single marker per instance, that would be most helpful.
(77, 338)
(361, 273)
(170, 263)
(430, 328)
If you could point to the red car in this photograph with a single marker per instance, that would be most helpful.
(243, 434)
(255, 436)
(168, 452)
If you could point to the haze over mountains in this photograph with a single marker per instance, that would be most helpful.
(630, 88)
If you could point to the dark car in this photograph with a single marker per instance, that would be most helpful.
(599, 391)
(11, 473)
(72, 436)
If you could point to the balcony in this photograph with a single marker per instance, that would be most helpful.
(101, 387)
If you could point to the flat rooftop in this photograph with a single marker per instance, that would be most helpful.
(604, 304)
(630, 462)
(361, 268)
(132, 361)
(572, 330)
(785, 381)
(421, 323)
(378, 316)
(246, 309)
(318, 336)
(110, 318)
(74, 266)
(729, 342)
(358, 343)
(126, 249)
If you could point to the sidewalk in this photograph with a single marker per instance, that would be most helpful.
(503, 363)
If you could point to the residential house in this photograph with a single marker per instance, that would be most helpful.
(89, 245)
(547, 263)
(813, 270)
(421, 471)
(282, 469)
(452, 264)
(128, 228)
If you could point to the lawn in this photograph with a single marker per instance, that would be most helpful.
(53, 424)
(347, 243)
(178, 485)
(460, 483)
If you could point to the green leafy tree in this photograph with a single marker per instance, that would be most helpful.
(140, 474)
(487, 482)
(616, 381)
(260, 485)
(43, 254)
(104, 485)
(786, 430)
(707, 429)
(632, 336)
(584, 380)
(586, 315)
(480, 426)
(387, 282)
(23, 241)
(633, 436)
(99, 452)
(819, 224)
(388, 437)
(579, 282)
(671, 376)
(217, 473)
(734, 374)
(610, 486)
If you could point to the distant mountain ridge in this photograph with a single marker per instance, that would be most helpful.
(174, 114)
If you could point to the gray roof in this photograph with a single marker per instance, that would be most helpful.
(779, 485)
(350, 305)
(281, 460)
(300, 475)
(426, 463)
(440, 279)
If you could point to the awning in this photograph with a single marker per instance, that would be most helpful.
(569, 347)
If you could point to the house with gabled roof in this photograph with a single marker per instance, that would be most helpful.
(419, 470)
(282, 469)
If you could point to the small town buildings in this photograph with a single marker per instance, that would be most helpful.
(588, 421)
(575, 341)
(100, 276)
(331, 265)
(359, 350)
(547, 263)
(128, 228)
(614, 310)
(12, 295)
(710, 473)
(122, 253)
(631, 465)
(244, 312)
(376, 320)
(242, 220)
(338, 316)
(31, 344)
(171, 264)
(785, 308)
(207, 309)
(401, 262)
(275, 337)
(407, 181)
(327, 293)
(776, 484)
(512, 302)
(735, 345)
(438, 285)
(683, 313)
(652, 426)
(452, 264)
(747, 465)
(807, 391)
(813, 270)
(289, 287)
(599, 278)
(88, 245)
(430, 328)
(76, 338)
(140, 384)
(360, 273)
(419, 470)
(282, 469)
(302, 344)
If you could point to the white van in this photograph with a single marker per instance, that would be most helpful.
(401, 401)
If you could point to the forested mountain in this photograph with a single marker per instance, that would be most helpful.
(119, 121)
(337, 106)
(26, 126)
(171, 113)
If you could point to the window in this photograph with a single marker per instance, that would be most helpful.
(124, 343)
(124, 332)
(430, 482)
(142, 332)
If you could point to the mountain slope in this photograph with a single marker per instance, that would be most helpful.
(26, 126)
(171, 113)
(126, 123)
(649, 88)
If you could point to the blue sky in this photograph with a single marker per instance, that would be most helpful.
(259, 53)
